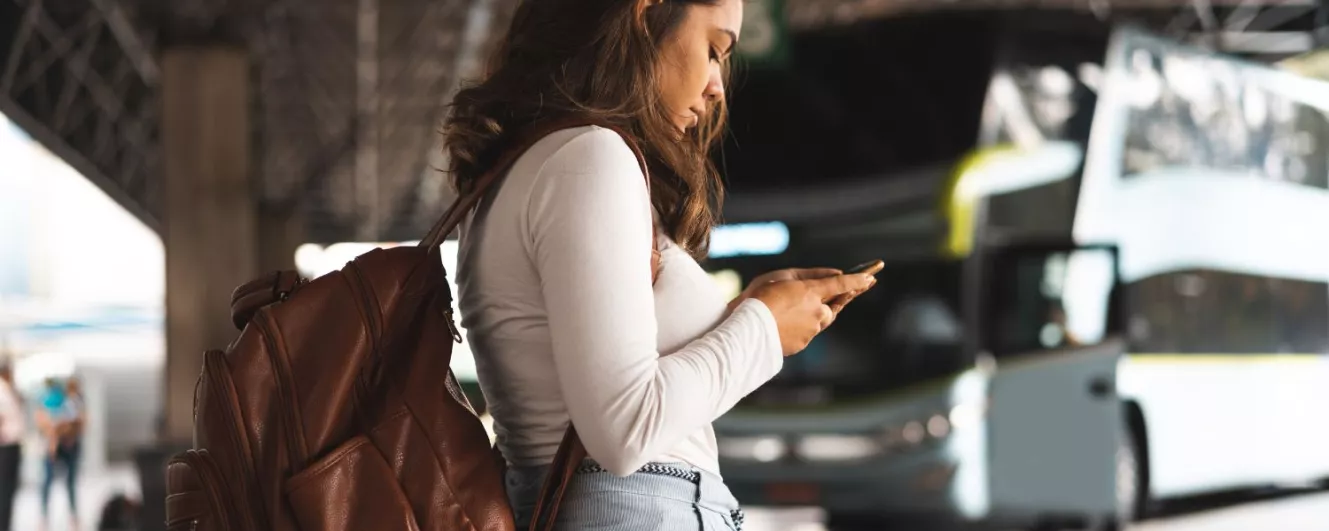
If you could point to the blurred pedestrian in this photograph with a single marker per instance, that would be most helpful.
(61, 417)
(12, 426)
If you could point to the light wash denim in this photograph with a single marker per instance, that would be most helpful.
(659, 497)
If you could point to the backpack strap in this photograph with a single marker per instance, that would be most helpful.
(571, 452)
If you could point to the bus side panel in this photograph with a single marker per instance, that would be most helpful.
(1053, 428)
(1231, 421)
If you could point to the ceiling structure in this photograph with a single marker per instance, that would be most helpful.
(348, 94)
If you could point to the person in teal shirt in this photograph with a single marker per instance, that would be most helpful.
(61, 416)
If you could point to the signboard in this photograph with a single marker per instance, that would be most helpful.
(765, 40)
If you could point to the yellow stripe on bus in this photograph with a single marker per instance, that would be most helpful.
(1162, 358)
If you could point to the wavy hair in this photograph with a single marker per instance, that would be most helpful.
(600, 59)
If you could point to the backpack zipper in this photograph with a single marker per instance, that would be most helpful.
(282, 296)
(205, 469)
(213, 363)
(295, 435)
(369, 368)
(362, 290)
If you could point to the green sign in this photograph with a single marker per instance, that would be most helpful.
(765, 37)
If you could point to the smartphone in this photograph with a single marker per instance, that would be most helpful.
(872, 266)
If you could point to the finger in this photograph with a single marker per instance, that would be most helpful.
(815, 272)
(827, 288)
(826, 316)
(840, 301)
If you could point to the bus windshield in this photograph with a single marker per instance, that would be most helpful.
(905, 331)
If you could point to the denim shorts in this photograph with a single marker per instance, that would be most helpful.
(658, 497)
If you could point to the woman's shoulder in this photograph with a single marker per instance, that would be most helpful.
(584, 162)
(583, 176)
(586, 148)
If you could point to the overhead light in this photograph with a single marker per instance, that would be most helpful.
(749, 239)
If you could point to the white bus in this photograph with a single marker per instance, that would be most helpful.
(1212, 175)
(1066, 332)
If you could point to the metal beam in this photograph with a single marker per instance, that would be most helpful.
(1259, 42)
(76, 63)
(125, 34)
(1275, 16)
(56, 145)
(1322, 24)
(1242, 16)
(96, 115)
(367, 110)
(432, 193)
(811, 14)
(19, 45)
(93, 83)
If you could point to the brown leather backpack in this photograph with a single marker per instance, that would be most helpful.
(336, 409)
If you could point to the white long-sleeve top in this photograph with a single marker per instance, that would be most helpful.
(555, 292)
(12, 420)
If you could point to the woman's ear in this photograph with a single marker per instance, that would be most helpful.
(641, 6)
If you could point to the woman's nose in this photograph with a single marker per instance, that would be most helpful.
(714, 88)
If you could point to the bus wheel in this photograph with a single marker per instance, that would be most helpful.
(1130, 484)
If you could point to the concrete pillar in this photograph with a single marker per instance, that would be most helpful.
(280, 232)
(210, 217)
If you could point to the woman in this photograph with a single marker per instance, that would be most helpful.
(11, 442)
(555, 266)
(61, 418)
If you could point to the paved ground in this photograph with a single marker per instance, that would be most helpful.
(1308, 512)
(1304, 512)
(94, 490)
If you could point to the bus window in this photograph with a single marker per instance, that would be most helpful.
(1301, 311)
(1218, 312)
(1039, 301)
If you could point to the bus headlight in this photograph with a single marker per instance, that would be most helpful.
(904, 437)
(966, 415)
(939, 427)
(764, 449)
(916, 433)
(913, 432)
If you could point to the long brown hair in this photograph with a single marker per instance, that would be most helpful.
(596, 58)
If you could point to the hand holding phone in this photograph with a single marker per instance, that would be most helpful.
(871, 267)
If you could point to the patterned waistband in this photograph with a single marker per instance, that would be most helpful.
(658, 469)
(674, 471)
